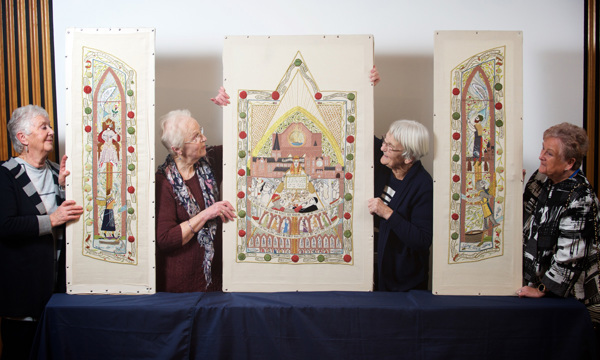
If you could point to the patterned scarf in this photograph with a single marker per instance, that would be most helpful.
(184, 197)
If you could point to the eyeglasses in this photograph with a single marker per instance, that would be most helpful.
(198, 138)
(388, 146)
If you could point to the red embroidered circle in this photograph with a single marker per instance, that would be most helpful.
(88, 128)
(242, 233)
(131, 149)
(243, 135)
(454, 216)
(456, 136)
(241, 172)
(347, 216)
(275, 95)
(87, 89)
(131, 114)
(347, 258)
(348, 176)
(350, 139)
(241, 195)
(131, 189)
(456, 178)
(295, 258)
(318, 96)
(498, 106)
(131, 239)
(455, 91)
(243, 94)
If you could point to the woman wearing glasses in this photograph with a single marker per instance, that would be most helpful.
(188, 213)
(403, 206)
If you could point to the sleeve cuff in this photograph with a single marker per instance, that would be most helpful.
(44, 224)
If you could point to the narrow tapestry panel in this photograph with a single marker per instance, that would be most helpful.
(109, 131)
(478, 122)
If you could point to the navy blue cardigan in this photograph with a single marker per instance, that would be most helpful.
(27, 266)
(405, 238)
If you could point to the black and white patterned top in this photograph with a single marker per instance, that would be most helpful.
(560, 243)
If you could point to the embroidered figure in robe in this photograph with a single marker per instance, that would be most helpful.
(108, 150)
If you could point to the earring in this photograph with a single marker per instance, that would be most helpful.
(27, 149)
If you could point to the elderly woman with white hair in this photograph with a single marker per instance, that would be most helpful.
(32, 218)
(403, 207)
(188, 214)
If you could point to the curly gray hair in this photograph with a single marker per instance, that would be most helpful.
(21, 121)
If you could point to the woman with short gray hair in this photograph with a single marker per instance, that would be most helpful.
(32, 218)
(403, 207)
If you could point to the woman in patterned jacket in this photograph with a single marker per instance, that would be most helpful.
(560, 223)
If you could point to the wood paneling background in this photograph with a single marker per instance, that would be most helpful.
(591, 107)
(27, 64)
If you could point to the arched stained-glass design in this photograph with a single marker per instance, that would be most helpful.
(109, 162)
(477, 157)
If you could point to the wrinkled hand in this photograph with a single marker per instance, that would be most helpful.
(377, 207)
(222, 209)
(63, 172)
(222, 99)
(530, 292)
(67, 211)
(374, 76)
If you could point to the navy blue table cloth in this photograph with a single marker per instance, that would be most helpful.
(312, 325)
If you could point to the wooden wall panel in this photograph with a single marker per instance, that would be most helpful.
(27, 63)
(592, 93)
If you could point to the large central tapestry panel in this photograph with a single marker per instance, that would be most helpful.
(298, 151)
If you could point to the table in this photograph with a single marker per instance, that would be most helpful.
(313, 325)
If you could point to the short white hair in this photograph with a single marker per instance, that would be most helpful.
(21, 121)
(173, 131)
(413, 136)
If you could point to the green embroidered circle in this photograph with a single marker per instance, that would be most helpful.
(498, 87)
(320, 258)
(267, 257)
(499, 123)
(131, 130)
(130, 92)
(130, 211)
(350, 157)
(351, 119)
(351, 96)
(242, 214)
(455, 158)
(455, 197)
(347, 233)
(88, 110)
(454, 236)
(348, 197)
(131, 167)
(242, 115)
(456, 115)
(298, 62)
(241, 256)
(242, 154)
